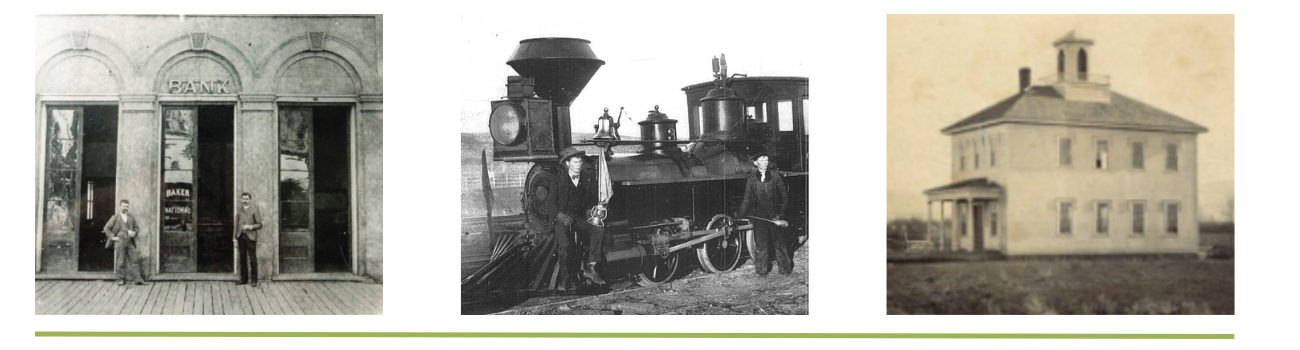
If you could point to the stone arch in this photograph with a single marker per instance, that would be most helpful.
(61, 43)
(216, 47)
(79, 71)
(204, 62)
(329, 70)
(343, 52)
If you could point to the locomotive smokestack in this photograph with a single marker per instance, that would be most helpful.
(560, 68)
(1024, 79)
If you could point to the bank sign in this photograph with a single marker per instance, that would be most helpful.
(198, 86)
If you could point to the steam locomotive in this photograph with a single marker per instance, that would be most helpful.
(669, 205)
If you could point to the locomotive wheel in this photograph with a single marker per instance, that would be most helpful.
(721, 254)
(656, 270)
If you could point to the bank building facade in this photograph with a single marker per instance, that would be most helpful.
(180, 115)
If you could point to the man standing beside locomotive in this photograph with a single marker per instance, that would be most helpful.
(121, 230)
(575, 193)
(250, 224)
(766, 200)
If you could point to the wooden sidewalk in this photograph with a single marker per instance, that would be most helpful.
(208, 298)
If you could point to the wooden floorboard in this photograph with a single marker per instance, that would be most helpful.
(299, 295)
(86, 308)
(64, 298)
(254, 308)
(137, 307)
(207, 298)
(56, 297)
(160, 299)
(281, 308)
(174, 305)
(273, 291)
(106, 305)
(87, 300)
(46, 296)
(372, 304)
(64, 307)
(235, 306)
(269, 307)
(121, 301)
(315, 293)
(215, 292)
(332, 295)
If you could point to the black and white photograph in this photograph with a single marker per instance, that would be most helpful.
(619, 171)
(1062, 164)
(209, 165)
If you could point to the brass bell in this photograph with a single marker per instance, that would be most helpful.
(606, 128)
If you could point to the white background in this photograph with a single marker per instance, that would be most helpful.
(844, 58)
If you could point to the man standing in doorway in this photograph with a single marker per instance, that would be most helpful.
(121, 230)
(766, 200)
(575, 194)
(250, 224)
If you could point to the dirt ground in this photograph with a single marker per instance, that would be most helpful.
(739, 292)
(1064, 286)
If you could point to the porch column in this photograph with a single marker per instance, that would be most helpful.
(943, 229)
(929, 218)
(970, 219)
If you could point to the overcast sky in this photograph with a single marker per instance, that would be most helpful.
(648, 58)
(944, 68)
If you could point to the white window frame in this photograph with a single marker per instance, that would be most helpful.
(1101, 222)
(1061, 206)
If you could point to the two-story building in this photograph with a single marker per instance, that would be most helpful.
(1069, 167)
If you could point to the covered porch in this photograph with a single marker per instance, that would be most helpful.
(970, 216)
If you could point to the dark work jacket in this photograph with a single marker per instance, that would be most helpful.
(764, 199)
(573, 200)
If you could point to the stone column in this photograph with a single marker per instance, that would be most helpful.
(257, 172)
(139, 142)
(368, 139)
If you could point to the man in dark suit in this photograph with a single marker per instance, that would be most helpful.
(121, 230)
(249, 220)
(766, 198)
(575, 194)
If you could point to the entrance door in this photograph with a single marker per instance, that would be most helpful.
(197, 172)
(78, 196)
(315, 192)
(98, 185)
(978, 227)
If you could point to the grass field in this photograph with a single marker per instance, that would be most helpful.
(1063, 286)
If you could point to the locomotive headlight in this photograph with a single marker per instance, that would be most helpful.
(506, 124)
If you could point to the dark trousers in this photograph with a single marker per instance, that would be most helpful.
(769, 237)
(595, 241)
(127, 259)
(247, 259)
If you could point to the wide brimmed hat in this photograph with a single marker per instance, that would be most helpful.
(570, 152)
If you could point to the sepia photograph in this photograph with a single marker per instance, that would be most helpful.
(209, 165)
(1060, 164)
(622, 172)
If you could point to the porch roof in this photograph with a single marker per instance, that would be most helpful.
(980, 188)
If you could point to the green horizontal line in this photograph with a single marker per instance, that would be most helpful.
(635, 335)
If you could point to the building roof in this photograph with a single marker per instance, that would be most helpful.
(1044, 105)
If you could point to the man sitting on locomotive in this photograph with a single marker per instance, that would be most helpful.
(575, 193)
(766, 201)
